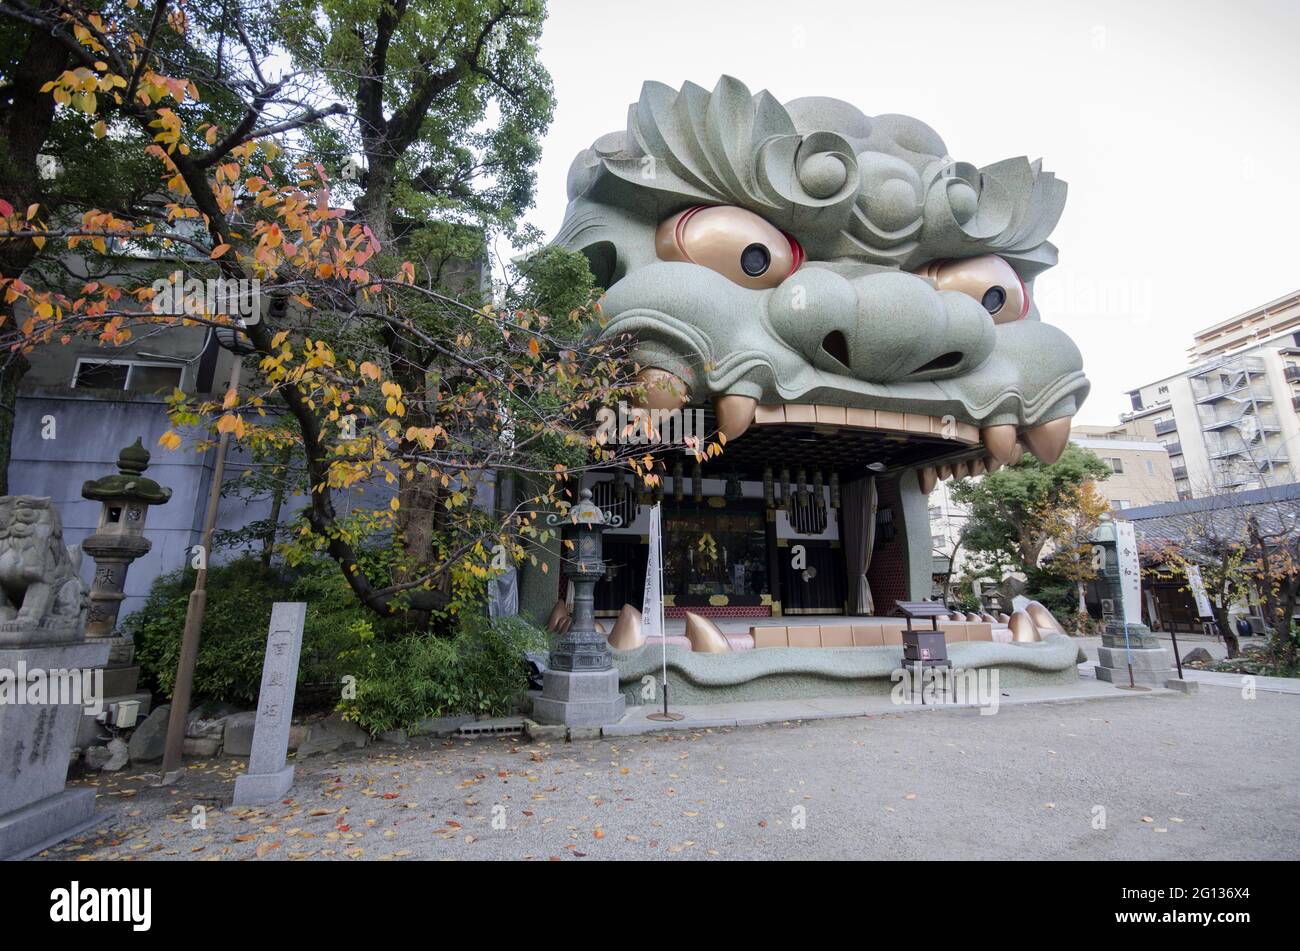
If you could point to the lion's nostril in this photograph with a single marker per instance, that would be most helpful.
(835, 345)
(945, 361)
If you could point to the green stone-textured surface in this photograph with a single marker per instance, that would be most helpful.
(784, 673)
(869, 199)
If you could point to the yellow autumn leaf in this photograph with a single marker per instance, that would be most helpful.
(170, 440)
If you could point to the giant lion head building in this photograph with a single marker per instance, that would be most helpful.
(851, 304)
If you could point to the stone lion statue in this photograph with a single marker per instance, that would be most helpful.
(40, 584)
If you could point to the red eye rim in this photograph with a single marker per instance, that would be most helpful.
(796, 249)
(1024, 295)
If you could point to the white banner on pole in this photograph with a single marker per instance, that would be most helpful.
(1198, 591)
(650, 605)
(1130, 572)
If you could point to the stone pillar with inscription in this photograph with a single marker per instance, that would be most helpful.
(268, 778)
(49, 678)
(1127, 645)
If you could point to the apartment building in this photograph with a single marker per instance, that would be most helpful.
(947, 521)
(1266, 322)
(1140, 470)
(1230, 422)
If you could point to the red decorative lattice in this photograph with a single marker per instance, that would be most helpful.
(708, 610)
(887, 573)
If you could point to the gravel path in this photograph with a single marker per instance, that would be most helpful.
(1201, 777)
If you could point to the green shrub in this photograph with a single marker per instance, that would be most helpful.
(1058, 595)
(480, 670)
(239, 598)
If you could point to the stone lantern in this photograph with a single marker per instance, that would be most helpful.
(119, 540)
(580, 687)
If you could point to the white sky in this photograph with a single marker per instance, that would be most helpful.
(1176, 124)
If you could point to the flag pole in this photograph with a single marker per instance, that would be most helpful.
(657, 536)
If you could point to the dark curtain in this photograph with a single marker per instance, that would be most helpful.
(857, 534)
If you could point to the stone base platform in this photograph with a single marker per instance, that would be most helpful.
(580, 698)
(44, 823)
(260, 789)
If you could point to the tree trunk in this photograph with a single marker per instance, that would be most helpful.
(10, 376)
(1226, 629)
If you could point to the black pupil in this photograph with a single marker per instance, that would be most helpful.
(755, 259)
(993, 299)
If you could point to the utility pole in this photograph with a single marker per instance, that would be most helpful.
(181, 690)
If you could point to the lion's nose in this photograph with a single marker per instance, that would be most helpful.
(882, 327)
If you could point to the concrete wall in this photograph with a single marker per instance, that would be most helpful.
(89, 431)
(90, 428)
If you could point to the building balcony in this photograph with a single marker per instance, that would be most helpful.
(1242, 393)
(1292, 373)
(1166, 426)
(1180, 472)
(1257, 452)
(1264, 423)
(1175, 448)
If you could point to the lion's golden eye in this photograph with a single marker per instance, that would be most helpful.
(988, 278)
(736, 243)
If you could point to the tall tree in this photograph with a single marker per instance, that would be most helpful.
(1071, 526)
(367, 366)
(92, 97)
(449, 101)
(1213, 542)
(1015, 511)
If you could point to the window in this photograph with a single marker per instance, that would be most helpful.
(1116, 464)
(132, 375)
(938, 541)
(936, 511)
(1151, 467)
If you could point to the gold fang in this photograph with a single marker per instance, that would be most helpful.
(705, 636)
(628, 633)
